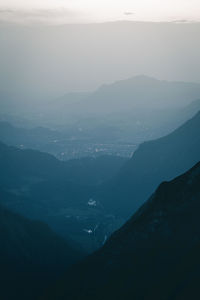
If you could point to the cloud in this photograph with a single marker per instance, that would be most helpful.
(184, 21)
(128, 13)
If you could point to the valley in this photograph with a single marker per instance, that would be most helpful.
(99, 150)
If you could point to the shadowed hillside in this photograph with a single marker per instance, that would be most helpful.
(39, 186)
(152, 163)
(155, 255)
(31, 256)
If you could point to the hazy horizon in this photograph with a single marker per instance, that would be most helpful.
(53, 60)
(68, 11)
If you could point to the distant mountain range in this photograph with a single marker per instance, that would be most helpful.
(136, 93)
(139, 97)
(135, 110)
(153, 162)
(88, 55)
(129, 111)
(32, 256)
(155, 255)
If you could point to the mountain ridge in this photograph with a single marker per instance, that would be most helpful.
(153, 162)
(142, 259)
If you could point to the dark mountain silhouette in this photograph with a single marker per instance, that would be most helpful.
(152, 163)
(87, 170)
(31, 256)
(155, 255)
(38, 138)
(39, 186)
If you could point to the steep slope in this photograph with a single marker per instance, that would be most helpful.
(31, 256)
(152, 163)
(155, 255)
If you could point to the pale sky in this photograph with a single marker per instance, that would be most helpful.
(73, 11)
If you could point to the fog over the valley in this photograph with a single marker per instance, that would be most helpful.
(99, 149)
(47, 61)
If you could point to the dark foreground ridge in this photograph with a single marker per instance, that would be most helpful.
(155, 255)
(31, 256)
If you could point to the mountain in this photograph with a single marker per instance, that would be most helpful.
(58, 192)
(96, 53)
(140, 93)
(38, 138)
(153, 162)
(132, 110)
(39, 186)
(127, 112)
(71, 142)
(86, 170)
(155, 255)
(31, 256)
(89, 171)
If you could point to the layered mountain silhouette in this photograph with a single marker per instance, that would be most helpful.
(132, 110)
(139, 92)
(31, 256)
(87, 170)
(135, 109)
(155, 255)
(152, 163)
(39, 186)
(118, 49)
(133, 126)
(136, 92)
(38, 138)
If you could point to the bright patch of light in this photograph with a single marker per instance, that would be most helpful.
(109, 10)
